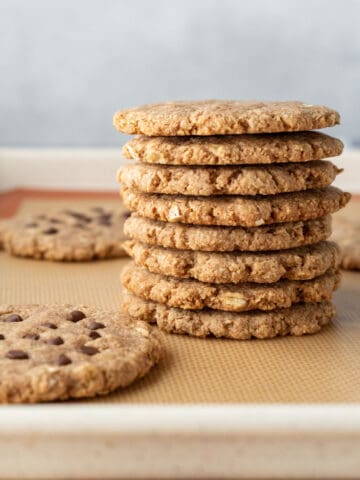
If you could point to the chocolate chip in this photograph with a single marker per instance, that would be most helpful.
(126, 214)
(79, 216)
(31, 225)
(94, 335)
(50, 231)
(2, 337)
(14, 318)
(88, 350)
(49, 325)
(105, 222)
(17, 355)
(55, 341)
(63, 360)
(32, 336)
(96, 325)
(97, 209)
(75, 316)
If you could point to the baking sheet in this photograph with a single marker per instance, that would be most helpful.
(323, 368)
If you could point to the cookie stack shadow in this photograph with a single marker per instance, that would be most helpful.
(231, 214)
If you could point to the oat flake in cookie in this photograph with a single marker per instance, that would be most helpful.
(72, 234)
(223, 117)
(55, 352)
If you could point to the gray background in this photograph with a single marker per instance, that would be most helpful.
(66, 66)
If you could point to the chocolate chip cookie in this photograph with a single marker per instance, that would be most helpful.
(56, 352)
(72, 234)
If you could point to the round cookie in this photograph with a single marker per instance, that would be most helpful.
(301, 319)
(302, 263)
(79, 234)
(223, 117)
(237, 210)
(60, 351)
(346, 232)
(4, 226)
(227, 239)
(195, 295)
(248, 180)
(233, 149)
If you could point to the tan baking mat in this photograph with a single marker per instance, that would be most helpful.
(320, 368)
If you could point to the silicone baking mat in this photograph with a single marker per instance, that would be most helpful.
(323, 368)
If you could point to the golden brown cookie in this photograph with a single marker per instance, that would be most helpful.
(233, 149)
(195, 295)
(4, 225)
(248, 180)
(300, 319)
(223, 117)
(346, 232)
(302, 263)
(227, 239)
(237, 210)
(55, 352)
(74, 234)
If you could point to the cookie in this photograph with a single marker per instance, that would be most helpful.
(4, 225)
(192, 294)
(236, 210)
(302, 263)
(227, 239)
(248, 180)
(68, 235)
(300, 319)
(223, 117)
(56, 352)
(233, 149)
(346, 232)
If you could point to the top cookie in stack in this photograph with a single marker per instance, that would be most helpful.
(231, 203)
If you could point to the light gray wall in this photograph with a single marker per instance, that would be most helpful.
(67, 65)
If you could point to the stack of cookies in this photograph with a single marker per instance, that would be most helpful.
(231, 207)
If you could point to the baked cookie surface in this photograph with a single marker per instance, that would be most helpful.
(302, 263)
(61, 351)
(346, 232)
(195, 295)
(79, 234)
(300, 319)
(227, 239)
(223, 117)
(236, 210)
(248, 180)
(233, 149)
